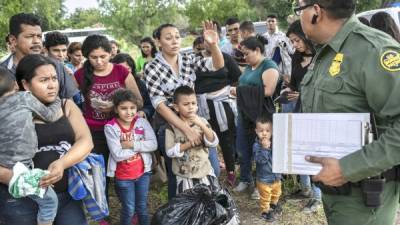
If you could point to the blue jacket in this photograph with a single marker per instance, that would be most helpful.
(87, 182)
(263, 158)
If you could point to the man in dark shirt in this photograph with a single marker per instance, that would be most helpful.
(26, 37)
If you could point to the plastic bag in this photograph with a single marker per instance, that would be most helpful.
(202, 205)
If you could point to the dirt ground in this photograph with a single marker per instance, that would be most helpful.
(249, 210)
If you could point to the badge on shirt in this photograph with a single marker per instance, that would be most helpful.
(390, 61)
(335, 66)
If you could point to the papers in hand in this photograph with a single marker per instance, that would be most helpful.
(296, 135)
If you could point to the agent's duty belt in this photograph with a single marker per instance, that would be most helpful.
(371, 188)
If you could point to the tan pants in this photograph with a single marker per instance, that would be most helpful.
(269, 193)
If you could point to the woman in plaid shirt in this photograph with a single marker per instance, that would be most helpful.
(170, 70)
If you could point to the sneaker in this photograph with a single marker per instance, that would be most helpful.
(255, 195)
(277, 209)
(242, 186)
(135, 219)
(103, 222)
(268, 216)
(312, 206)
(301, 194)
(231, 179)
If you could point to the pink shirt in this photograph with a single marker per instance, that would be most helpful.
(102, 90)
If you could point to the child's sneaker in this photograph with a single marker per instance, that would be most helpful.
(135, 219)
(103, 222)
(255, 195)
(231, 178)
(242, 186)
(268, 216)
(277, 209)
(312, 206)
(301, 194)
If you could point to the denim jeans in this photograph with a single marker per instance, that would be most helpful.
(213, 157)
(305, 182)
(245, 137)
(47, 206)
(289, 107)
(133, 196)
(23, 211)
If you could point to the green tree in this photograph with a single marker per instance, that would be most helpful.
(131, 20)
(51, 12)
(364, 5)
(82, 18)
(219, 10)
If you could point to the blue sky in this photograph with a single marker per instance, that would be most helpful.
(73, 4)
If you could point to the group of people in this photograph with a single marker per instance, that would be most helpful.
(57, 108)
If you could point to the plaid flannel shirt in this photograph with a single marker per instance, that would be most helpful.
(161, 80)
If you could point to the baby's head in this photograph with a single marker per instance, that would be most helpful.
(125, 104)
(185, 102)
(7, 83)
(264, 127)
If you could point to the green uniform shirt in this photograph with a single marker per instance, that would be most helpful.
(359, 71)
(254, 77)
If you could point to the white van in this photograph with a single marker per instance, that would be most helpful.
(394, 12)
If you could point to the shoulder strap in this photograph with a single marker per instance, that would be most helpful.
(64, 102)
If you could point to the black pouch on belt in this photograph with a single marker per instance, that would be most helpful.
(372, 189)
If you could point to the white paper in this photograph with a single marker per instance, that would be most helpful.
(296, 135)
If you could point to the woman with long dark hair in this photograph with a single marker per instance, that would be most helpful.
(98, 80)
(61, 145)
(384, 22)
(148, 52)
(170, 70)
(301, 60)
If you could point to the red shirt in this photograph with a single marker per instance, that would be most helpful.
(132, 168)
(102, 90)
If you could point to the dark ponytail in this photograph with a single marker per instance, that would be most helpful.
(91, 43)
(262, 39)
(253, 43)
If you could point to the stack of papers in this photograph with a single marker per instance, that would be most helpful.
(296, 135)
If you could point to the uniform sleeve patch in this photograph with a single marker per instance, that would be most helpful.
(390, 61)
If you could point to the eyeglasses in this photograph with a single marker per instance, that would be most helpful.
(299, 9)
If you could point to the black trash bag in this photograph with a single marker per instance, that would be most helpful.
(201, 205)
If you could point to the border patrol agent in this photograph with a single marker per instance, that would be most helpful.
(356, 69)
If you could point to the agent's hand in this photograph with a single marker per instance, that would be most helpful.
(331, 173)
(210, 33)
(56, 170)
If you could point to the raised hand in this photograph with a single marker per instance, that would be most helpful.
(210, 32)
